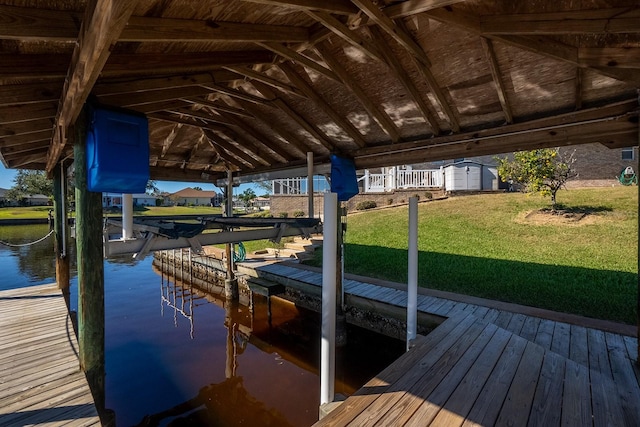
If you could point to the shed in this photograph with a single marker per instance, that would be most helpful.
(470, 176)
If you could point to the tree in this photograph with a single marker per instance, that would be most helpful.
(152, 187)
(197, 188)
(247, 196)
(543, 171)
(29, 182)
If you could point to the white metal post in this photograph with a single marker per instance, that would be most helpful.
(310, 182)
(127, 216)
(328, 347)
(412, 284)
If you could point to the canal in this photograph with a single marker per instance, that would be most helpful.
(178, 356)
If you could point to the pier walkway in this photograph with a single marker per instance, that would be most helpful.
(491, 363)
(40, 379)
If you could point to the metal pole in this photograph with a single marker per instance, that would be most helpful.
(127, 216)
(231, 283)
(328, 347)
(412, 274)
(310, 182)
(60, 224)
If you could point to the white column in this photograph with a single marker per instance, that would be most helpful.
(412, 274)
(127, 216)
(310, 182)
(328, 347)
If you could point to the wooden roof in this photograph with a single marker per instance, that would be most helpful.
(253, 85)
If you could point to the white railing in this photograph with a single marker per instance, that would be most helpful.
(402, 179)
(298, 185)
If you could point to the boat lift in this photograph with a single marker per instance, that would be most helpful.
(155, 235)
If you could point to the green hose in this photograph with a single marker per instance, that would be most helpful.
(627, 178)
(240, 255)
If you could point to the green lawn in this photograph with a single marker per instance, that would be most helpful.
(41, 211)
(481, 245)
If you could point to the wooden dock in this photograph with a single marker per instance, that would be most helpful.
(492, 366)
(40, 378)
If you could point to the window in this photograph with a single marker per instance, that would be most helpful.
(628, 154)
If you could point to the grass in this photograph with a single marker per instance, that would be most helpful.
(41, 211)
(482, 246)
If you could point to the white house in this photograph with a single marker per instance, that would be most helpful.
(114, 200)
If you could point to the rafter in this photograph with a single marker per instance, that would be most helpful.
(170, 139)
(596, 21)
(262, 145)
(154, 96)
(350, 36)
(374, 110)
(338, 7)
(200, 115)
(227, 146)
(300, 146)
(294, 56)
(579, 74)
(263, 78)
(397, 33)
(289, 111)
(17, 140)
(413, 7)
(234, 93)
(29, 94)
(489, 52)
(338, 119)
(27, 112)
(102, 24)
(142, 84)
(49, 25)
(425, 71)
(24, 161)
(23, 128)
(403, 77)
(217, 106)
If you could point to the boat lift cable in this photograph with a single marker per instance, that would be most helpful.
(27, 244)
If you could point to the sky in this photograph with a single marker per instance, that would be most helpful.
(7, 175)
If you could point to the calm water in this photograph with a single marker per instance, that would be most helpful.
(176, 356)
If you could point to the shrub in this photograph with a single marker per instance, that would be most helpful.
(298, 214)
(428, 195)
(417, 196)
(367, 204)
(283, 215)
(389, 201)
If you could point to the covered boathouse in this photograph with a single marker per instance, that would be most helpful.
(244, 90)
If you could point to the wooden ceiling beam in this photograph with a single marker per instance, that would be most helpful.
(263, 78)
(155, 107)
(199, 114)
(162, 173)
(295, 141)
(347, 34)
(142, 84)
(24, 148)
(170, 139)
(413, 7)
(22, 161)
(153, 96)
(217, 106)
(22, 23)
(17, 140)
(375, 111)
(230, 162)
(449, 110)
(298, 58)
(220, 142)
(624, 113)
(194, 150)
(401, 74)
(489, 52)
(339, 7)
(262, 145)
(294, 115)
(27, 112)
(102, 24)
(615, 57)
(593, 21)
(189, 121)
(397, 33)
(54, 66)
(234, 93)
(23, 128)
(579, 75)
(323, 105)
(29, 94)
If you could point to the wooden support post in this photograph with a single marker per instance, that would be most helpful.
(341, 320)
(412, 273)
(230, 283)
(61, 230)
(310, 182)
(90, 271)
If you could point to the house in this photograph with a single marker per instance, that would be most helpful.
(194, 197)
(114, 200)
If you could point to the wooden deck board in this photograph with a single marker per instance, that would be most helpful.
(40, 379)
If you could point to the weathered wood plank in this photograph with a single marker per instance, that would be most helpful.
(516, 323)
(547, 406)
(576, 398)
(485, 410)
(544, 336)
(578, 348)
(517, 404)
(624, 378)
(561, 339)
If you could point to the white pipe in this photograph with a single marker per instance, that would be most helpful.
(328, 347)
(127, 216)
(412, 274)
(310, 182)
